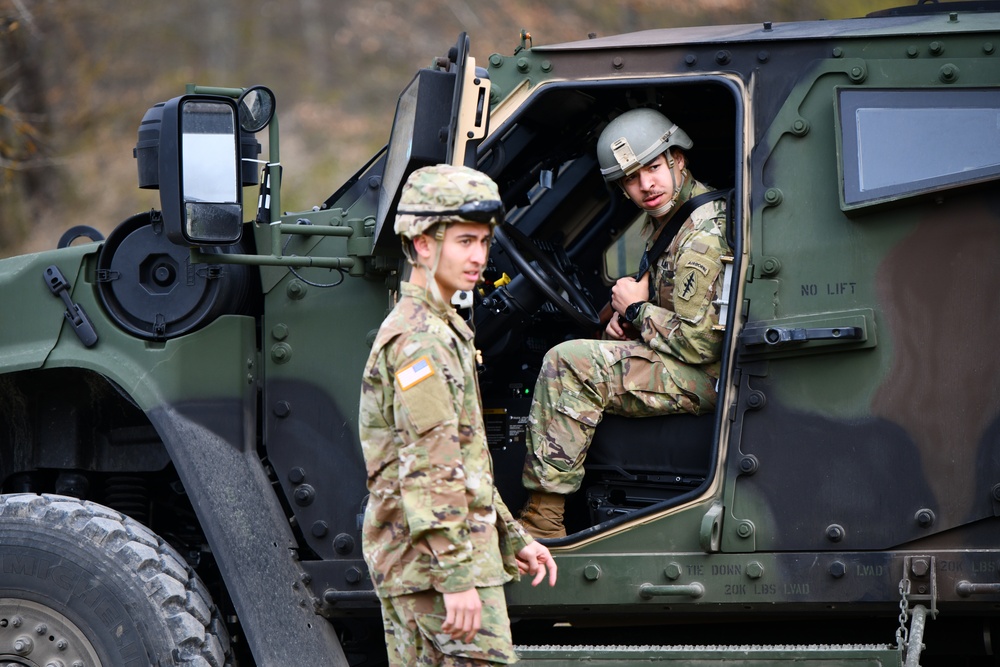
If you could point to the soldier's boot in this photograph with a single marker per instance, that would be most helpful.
(542, 516)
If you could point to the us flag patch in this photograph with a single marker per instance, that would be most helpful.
(419, 370)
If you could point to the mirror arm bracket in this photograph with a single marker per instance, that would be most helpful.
(200, 257)
(276, 259)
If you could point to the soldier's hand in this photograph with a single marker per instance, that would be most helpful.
(535, 559)
(614, 328)
(464, 614)
(627, 291)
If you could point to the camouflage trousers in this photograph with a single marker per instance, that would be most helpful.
(413, 632)
(580, 380)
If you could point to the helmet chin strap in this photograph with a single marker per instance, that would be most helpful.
(435, 295)
(666, 208)
(431, 289)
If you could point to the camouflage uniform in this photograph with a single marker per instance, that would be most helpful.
(414, 636)
(434, 522)
(672, 368)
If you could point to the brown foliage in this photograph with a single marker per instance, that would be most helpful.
(76, 78)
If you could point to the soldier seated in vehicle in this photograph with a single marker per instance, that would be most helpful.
(661, 349)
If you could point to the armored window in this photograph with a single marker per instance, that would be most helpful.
(900, 143)
(622, 258)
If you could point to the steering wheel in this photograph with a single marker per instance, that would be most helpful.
(545, 275)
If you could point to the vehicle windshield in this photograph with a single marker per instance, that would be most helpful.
(423, 110)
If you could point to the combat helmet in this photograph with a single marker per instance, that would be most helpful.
(445, 193)
(634, 139)
(440, 195)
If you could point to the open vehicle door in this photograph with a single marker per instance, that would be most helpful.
(441, 116)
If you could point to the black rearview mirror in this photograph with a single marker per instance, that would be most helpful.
(189, 148)
(210, 160)
(256, 107)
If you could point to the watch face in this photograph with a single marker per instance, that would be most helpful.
(632, 311)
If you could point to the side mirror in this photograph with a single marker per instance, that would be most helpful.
(256, 108)
(198, 167)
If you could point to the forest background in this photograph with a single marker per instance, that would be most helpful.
(77, 76)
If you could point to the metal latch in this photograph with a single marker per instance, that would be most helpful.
(816, 333)
(780, 336)
(727, 285)
(920, 571)
(74, 312)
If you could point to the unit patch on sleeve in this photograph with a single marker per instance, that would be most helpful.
(697, 264)
(687, 285)
(420, 369)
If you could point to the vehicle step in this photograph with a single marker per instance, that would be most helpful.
(811, 655)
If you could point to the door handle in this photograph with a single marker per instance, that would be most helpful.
(781, 336)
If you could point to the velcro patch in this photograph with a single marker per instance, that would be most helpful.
(687, 285)
(699, 247)
(413, 374)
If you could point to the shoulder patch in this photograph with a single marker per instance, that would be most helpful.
(694, 263)
(413, 374)
(687, 285)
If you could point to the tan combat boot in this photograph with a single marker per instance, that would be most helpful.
(542, 516)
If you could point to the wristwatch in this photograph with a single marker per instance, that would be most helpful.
(632, 312)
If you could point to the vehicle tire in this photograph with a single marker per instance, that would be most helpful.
(82, 585)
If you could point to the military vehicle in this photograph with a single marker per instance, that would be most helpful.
(182, 480)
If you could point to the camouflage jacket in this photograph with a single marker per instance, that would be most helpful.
(684, 281)
(434, 520)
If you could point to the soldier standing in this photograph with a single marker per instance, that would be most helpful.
(674, 364)
(437, 538)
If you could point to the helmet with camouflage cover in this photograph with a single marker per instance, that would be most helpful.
(445, 194)
(635, 139)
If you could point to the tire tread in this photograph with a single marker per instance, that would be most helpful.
(174, 588)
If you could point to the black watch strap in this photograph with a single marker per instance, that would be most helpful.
(632, 312)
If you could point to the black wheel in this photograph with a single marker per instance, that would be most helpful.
(546, 276)
(82, 586)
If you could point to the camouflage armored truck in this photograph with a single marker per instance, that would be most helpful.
(181, 473)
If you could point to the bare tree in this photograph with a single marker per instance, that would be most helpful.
(27, 174)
